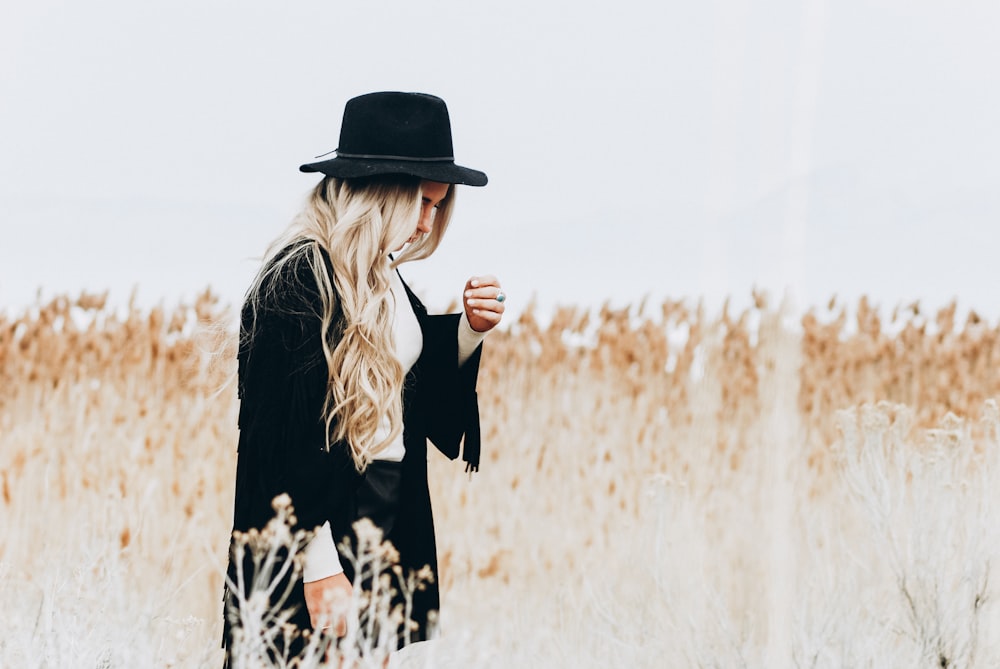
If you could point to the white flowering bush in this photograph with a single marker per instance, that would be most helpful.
(259, 611)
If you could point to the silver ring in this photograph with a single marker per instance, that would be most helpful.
(500, 296)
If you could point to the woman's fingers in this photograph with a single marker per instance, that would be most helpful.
(483, 288)
(483, 281)
(489, 293)
(484, 302)
(492, 318)
(488, 303)
(327, 602)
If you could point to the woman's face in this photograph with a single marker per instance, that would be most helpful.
(433, 193)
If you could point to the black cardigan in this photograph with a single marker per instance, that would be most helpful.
(282, 382)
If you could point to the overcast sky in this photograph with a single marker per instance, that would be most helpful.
(633, 148)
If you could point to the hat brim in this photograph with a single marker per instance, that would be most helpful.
(352, 168)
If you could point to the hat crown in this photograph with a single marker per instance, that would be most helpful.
(401, 125)
(396, 133)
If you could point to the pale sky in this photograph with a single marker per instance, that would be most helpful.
(633, 148)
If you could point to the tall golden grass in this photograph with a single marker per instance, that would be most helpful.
(661, 486)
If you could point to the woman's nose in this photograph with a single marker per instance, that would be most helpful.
(426, 220)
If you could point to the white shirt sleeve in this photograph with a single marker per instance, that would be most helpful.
(321, 557)
(468, 339)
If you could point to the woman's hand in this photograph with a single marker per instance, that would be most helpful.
(482, 308)
(327, 601)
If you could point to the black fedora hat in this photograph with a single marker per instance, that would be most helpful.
(397, 133)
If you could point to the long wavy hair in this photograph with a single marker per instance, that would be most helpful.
(357, 222)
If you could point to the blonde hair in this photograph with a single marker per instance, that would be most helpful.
(357, 222)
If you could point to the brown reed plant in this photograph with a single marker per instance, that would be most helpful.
(930, 363)
(118, 433)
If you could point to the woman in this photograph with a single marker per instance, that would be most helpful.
(343, 376)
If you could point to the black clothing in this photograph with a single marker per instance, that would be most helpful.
(282, 387)
(377, 498)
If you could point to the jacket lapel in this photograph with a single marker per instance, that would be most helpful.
(418, 307)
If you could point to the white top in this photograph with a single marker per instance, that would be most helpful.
(409, 342)
(321, 557)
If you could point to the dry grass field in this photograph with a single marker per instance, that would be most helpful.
(661, 487)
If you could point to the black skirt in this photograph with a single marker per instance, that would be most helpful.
(377, 497)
